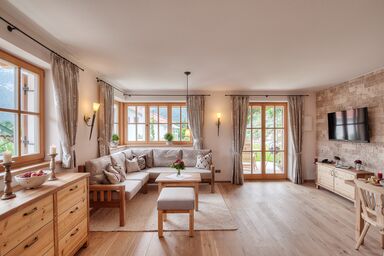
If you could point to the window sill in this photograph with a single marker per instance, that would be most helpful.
(152, 145)
(27, 168)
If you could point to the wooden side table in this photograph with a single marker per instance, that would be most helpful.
(188, 180)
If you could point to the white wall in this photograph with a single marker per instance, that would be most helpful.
(26, 49)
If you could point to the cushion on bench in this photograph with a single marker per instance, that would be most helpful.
(131, 188)
(141, 176)
(176, 199)
(95, 168)
(165, 157)
(189, 156)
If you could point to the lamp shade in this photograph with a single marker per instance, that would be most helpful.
(218, 115)
(96, 106)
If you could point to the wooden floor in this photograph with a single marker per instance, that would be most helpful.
(274, 218)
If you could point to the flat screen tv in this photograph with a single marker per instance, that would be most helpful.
(349, 125)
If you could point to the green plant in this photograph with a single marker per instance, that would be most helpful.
(115, 137)
(168, 136)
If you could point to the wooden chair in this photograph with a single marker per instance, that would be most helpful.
(371, 198)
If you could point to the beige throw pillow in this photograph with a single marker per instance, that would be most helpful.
(132, 165)
(113, 175)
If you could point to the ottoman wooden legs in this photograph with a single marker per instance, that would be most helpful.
(162, 213)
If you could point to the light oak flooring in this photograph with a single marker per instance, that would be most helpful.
(274, 218)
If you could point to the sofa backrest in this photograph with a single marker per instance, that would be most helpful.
(163, 157)
(95, 168)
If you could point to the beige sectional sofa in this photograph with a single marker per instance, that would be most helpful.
(158, 160)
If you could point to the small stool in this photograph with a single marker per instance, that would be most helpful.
(175, 200)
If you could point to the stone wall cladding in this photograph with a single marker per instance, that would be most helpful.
(364, 91)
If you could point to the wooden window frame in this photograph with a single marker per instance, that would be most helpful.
(147, 105)
(119, 120)
(22, 64)
(264, 175)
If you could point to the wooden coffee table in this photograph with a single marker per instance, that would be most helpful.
(189, 180)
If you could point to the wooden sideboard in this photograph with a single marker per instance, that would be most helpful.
(50, 220)
(333, 179)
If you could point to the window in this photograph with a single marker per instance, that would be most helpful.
(21, 109)
(147, 123)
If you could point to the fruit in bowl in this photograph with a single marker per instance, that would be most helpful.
(30, 180)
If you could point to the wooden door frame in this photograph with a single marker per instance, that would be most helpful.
(264, 176)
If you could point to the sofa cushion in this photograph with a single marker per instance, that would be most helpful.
(176, 199)
(131, 188)
(141, 160)
(119, 159)
(95, 168)
(189, 156)
(132, 165)
(141, 176)
(148, 155)
(204, 161)
(165, 157)
(155, 171)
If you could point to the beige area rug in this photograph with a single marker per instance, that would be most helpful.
(141, 214)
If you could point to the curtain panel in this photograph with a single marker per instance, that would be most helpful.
(296, 111)
(105, 118)
(195, 106)
(239, 116)
(65, 78)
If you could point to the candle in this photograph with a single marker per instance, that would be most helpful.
(380, 175)
(7, 157)
(52, 150)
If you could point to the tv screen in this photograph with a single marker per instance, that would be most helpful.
(349, 125)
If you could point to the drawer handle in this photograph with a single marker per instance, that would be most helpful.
(32, 242)
(74, 233)
(74, 188)
(30, 212)
(74, 210)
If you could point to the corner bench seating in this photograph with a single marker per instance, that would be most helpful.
(158, 161)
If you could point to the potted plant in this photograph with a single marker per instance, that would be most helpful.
(178, 165)
(358, 164)
(115, 139)
(168, 137)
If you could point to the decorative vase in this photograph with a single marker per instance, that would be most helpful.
(168, 143)
(178, 172)
(358, 167)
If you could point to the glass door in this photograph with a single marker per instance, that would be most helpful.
(265, 148)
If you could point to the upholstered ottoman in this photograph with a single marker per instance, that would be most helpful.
(176, 200)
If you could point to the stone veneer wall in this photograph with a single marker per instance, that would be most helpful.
(364, 91)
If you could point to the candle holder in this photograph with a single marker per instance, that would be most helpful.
(8, 193)
(52, 166)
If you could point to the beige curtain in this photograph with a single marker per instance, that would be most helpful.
(296, 109)
(105, 120)
(65, 79)
(195, 105)
(239, 116)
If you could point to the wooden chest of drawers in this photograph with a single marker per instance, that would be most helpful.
(333, 179)
(50, 220)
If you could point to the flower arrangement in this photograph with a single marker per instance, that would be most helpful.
(178, 165)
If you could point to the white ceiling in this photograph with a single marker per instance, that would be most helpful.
(228, 45)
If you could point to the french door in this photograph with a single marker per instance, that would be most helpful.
(265, 147)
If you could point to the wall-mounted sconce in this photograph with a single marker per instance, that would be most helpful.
(218, 123)
(87, 119)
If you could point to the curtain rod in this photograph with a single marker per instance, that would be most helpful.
(114, 87)
(12, 27)
(267, 95)
(164, 95)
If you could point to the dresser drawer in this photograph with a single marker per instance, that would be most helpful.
(344, 175)
(25, 222)
(73, 238)
(72, 217)
(39, 243)
(70, 195)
